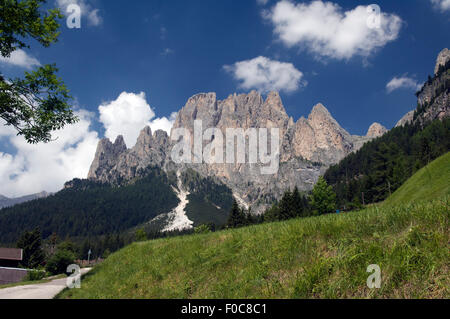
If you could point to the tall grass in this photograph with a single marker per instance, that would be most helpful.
(317, 257)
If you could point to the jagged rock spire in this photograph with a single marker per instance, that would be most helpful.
(376, 130)
(106, 156)
(442, 59)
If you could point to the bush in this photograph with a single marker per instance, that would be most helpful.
(203, 229)
(35, 275)
(140, 235)
(59, 262)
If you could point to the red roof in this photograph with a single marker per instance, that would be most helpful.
(11, 254)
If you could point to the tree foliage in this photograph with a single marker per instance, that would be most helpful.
(37, 104)
(237, 216)
(140, 235)
(381, 166)
(87, 208)
(58, 262)
(31, 244)
(323, 198)
(292, 205)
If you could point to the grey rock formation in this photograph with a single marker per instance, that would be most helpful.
(307, 147)
(376, 130)
(434, 97)
(106, 157)
(407, 118)
(442, 59)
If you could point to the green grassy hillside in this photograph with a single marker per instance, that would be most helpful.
(430, 182)
(317, 257)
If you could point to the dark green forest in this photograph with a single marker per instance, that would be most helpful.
(210, 201)
(383, 165)
(87, 208)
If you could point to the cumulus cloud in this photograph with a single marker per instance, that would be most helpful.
(92, 14)
(128, 115)
(34, 168)
(29, 169)
(264, 74)
(20, 58)
(403, 82)
(327, 31)
(442, 5)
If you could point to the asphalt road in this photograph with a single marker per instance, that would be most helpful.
(46, 290)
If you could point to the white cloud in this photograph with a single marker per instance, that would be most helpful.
(163, 123)
(442, 5)
(20, 58)
(92, 14)
(262, 2)
(403, 82)
(266, 75)
(325, 30)
(35, 168)
(32, 168)
(128, 115)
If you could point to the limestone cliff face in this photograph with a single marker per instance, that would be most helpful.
(406, 119)
(434, 98)
(442, 59)
(320, 138)
(376, 130)
(106, 156)
(307, 147)
(114, 163)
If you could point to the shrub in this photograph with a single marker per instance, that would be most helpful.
(203, 229)
(58, 263)
(35, 275)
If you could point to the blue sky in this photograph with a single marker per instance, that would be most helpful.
(171, 50)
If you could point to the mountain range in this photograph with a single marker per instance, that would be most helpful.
(202, 193)
(8, 202)
(307, 147)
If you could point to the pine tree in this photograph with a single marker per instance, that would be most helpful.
(286, 207)
(140, 235)
(31, 243)
(237, 216)
(323, 198)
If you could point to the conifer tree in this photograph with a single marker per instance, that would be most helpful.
(237, 216)
(323, 198)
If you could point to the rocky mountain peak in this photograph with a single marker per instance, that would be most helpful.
(407, 118)
(204, 98)
(442, 59)
(106, 155)
(319, 112)
(161, 138)
(119, 144)
(274, 100)
(145, 136)
(318, 138)
(376, 130)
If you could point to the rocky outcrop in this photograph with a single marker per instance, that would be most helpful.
(376, 130)
(319, 138)
(114, 163)
(106, 157)
(442, 59)
(406, 119)
(434, 98)
(307, 147)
